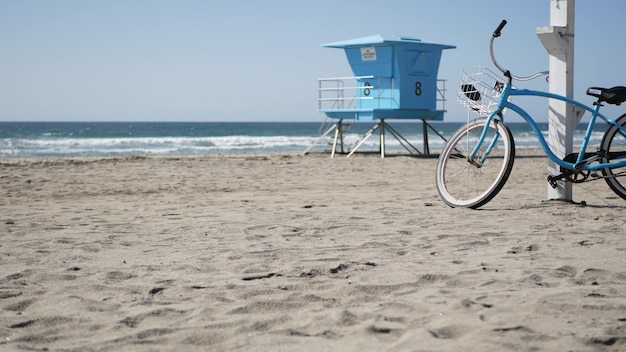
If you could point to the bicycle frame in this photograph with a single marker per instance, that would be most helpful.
(504, 103)
(478, 159)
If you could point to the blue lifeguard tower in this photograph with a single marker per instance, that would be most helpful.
(394, 78)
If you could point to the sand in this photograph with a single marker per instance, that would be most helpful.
(281, 252)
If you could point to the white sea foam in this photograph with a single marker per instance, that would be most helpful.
(149, 145)
(52, 144)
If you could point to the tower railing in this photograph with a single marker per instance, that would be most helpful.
(355, 93)
(441, 94)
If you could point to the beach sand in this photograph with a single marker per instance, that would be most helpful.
(281, 252)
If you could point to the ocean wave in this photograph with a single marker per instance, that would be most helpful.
(64, 140)
(148, 145)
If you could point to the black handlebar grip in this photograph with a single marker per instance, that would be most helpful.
(496, 33)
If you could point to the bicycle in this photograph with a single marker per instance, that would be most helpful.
(478, 158)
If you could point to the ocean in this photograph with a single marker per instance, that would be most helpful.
(67, 139)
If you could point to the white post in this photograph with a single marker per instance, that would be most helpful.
(558, 39)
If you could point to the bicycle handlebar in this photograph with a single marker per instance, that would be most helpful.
(506, 72)
(496, 33)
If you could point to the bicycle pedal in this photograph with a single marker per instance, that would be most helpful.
(552, 181)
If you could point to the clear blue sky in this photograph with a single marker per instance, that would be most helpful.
(250, 60)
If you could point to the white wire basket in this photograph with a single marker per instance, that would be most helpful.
(480, 90)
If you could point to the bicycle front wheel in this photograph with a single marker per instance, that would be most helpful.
(472, 182)
(614, 147)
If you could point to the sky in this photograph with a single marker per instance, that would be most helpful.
(253, 60)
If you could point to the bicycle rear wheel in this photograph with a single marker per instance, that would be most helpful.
(462, 182)
(614, 147)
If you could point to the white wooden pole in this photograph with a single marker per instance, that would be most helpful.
(558, 39)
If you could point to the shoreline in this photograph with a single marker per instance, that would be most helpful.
(520, 151)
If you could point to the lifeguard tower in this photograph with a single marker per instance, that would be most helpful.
(394, 78)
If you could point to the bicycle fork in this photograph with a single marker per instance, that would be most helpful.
(472, 157)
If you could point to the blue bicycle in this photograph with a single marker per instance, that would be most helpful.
(478, 158)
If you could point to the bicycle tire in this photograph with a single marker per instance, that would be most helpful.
(614, 143)
(461, 183)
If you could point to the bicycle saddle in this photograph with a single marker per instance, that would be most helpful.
(615, 95)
